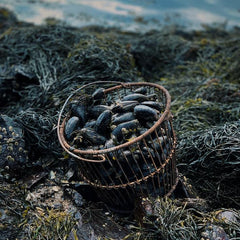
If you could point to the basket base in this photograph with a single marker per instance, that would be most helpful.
(125, 200)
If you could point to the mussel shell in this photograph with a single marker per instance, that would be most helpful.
(92, 137)
(90, 124)
(121, 130)
(135, 97)
(80, 112)
(71, 125)
(148, 168)
(124, 106)
(149, 153)
(131, 156)
(145, 113)
(159, 143)
(109, 144)
(152, 97)
(98, 94)
(95, 111)
(142, 90)
(124, 117)
(153, 104)
(103, 122)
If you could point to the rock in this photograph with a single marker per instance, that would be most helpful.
(75, 196)
(214, 232)
(82, 231)
(47, 196)
(227, 216)
(13, 79)
(13, 155)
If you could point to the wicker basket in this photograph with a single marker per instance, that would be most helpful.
(142, 166)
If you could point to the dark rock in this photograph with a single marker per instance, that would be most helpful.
(75, 196)
(12, 145)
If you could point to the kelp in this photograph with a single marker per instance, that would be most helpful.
(47, 224)
(169, 222)
(211, 158)
(158, 52)
(195, 114)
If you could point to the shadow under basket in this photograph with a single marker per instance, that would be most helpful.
(135, 167)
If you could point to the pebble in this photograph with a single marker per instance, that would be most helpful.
(227, 216)
(214, 232)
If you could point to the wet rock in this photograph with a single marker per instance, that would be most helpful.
(214, 232)
(47, 196)
(83, 232)
(13, 79)
(75, 196)
(13, 155)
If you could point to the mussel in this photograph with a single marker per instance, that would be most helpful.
(71, 125)
(125, 129)
(95, 111)
(90, 136)
(145, 113)
(153, 104)
(103, 122)
(124, 106)
(80, 112)
(98, 94)
(135, 97)
(124, 117)
(141, 90)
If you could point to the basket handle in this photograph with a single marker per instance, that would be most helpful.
(103, 159)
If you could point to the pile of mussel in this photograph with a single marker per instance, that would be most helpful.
(103, 121)
(98, 123)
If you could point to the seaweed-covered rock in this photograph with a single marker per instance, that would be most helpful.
(156, 52)
(13, 79)
(12, 145)
(211, 157)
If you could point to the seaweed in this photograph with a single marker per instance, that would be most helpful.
(211, 158)
(158, 52)
(39, 223)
